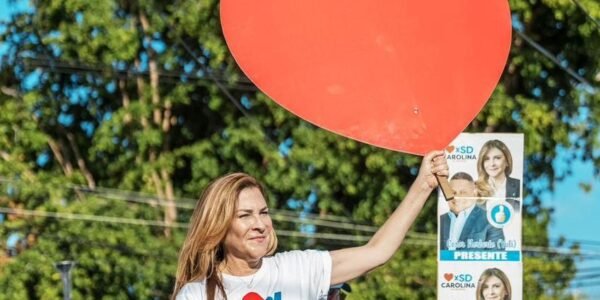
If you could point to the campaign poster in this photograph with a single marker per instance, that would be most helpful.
(479, 231)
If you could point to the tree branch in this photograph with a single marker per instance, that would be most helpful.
(81, 162)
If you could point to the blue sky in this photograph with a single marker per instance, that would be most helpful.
(577, 213)
(8, 9)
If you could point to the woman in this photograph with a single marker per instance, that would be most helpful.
(493, 285)
(228, 252)
(494, 166)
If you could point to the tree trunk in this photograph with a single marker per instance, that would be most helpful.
(126, 100)
(81, 162)
(162, 182)
(58, 155)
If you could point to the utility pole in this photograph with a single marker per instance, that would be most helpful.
(65, 267)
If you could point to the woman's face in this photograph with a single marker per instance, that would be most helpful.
(494, 162)
(493, 289)
(249, 235)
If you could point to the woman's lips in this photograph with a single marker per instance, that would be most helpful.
(258, 239)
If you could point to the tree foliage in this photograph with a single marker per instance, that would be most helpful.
(144, 96)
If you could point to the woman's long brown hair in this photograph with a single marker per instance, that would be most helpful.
(202, 251)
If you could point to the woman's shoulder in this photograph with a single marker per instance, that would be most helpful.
(300, 256)
(299, 253)
(192, 290)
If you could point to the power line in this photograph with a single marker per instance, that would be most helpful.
(93, 218)
(130, 221)
(57, 66)
(287, 216)
(554, 59)
(586, 284)
(219, 85)
(121, 247)
(277, 215)
(253, 121)
(118, 194)
(51, 62)
(586, 270)
(212, 76)
(321, 235)
(584, 277)
(414, 240)
(329, 224)
(189, 203)
(334, 218)
(339, 223)
(589, 16)
(561, 251)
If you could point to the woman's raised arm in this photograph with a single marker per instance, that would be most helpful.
(350, 263)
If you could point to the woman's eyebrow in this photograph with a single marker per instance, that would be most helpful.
(249, 210)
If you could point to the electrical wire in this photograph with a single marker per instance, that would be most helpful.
(554, 59)
(56, 66)
(294, 217)
(219, 85)
(561, 251)
(414, 240)
(585, 277)
(130, 221)
(189, 203)
(93, 218)
(277, 214)
(589, 16)
(588, 270)
(586, 284)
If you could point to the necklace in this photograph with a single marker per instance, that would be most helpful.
(247, 280)
(250, 283)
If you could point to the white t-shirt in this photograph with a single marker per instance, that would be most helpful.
(293, 275)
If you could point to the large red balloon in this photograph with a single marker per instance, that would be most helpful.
(405, 75)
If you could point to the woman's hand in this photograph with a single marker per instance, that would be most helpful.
(434, 163)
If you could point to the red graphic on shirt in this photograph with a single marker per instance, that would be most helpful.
(252, 296)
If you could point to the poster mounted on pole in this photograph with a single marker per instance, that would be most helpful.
(479, 231)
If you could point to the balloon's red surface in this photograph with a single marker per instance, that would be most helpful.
(399, 74)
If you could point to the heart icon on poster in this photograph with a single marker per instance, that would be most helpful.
(448, 276)
(398, 74)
